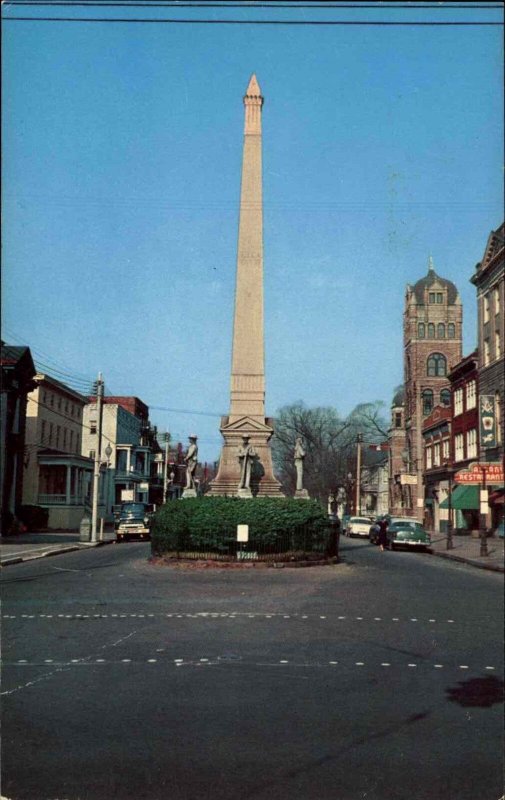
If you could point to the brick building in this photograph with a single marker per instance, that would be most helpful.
(451, 443)
(437, 465)
(464, 440)
(432, 333)
(490, 283)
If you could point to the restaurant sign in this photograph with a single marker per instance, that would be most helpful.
(488, 472)
(487, 417)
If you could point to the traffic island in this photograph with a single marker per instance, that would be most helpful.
(231, 532)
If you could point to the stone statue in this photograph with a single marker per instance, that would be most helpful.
(246, 454)
(299, 456)
(191, 461)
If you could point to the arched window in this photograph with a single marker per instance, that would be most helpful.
(421, 330)
(431, 330)
(427, 397)
(451, 330)
(440, 330)
(445, 397)
(437, 366)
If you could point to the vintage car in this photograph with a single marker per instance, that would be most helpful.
(357, 526)
(407, 533)
(133, 522)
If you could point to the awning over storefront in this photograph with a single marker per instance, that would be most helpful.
(465, 498)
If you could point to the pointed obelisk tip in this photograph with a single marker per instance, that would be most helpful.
(253, 87)
(431, 267)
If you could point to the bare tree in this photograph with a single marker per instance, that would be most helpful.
(369, 419)
(330, 442)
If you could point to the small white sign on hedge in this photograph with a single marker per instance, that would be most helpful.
(242, 533)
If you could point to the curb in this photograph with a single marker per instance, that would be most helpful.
(200, 564)
(33, 556)
(470, 562)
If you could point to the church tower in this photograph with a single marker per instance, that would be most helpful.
(432, 339)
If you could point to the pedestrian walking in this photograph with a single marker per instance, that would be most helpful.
(383, 534)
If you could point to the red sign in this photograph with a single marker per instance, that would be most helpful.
(477, 473)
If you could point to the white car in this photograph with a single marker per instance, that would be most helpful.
(358, 526)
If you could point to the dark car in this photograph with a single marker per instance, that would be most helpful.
(133, 521)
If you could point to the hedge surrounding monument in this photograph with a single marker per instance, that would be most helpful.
(207, 527)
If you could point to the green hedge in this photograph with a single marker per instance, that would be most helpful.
(209, 524)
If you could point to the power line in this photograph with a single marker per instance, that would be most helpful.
(247, 6)
(187, 411)
(48, 358)
(79, 386)
(285, 22)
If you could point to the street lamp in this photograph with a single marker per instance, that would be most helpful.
(349, 491)
(107, 453)
(359, 440)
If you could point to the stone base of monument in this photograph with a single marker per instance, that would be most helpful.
(188, 493)
(244, 493)
(301, 494)
(263, 481)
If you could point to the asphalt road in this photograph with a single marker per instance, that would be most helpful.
(376, 679)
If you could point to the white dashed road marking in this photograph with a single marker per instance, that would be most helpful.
(215, 615)
(220, 660)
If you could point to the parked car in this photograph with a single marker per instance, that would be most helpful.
(133, 521)
(358, 526)
(408, 533)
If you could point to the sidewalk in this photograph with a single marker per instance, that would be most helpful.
(467, 550)
(28, 546)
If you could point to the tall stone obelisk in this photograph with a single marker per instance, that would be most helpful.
(247, 406)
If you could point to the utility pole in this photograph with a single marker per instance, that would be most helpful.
(165, 471)
(98, 457)
(359, 439)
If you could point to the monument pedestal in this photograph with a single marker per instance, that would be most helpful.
(301, 494)
(263, 482)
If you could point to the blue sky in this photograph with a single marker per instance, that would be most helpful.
(122, 153)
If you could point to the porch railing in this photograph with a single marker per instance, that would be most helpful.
(61, 500)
